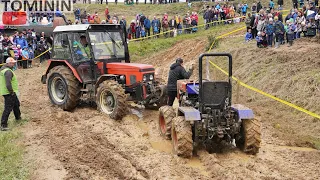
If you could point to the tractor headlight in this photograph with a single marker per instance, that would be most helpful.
(144, 78)
(122, 78)
(151, 77)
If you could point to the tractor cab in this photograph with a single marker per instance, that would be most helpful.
(96, 53)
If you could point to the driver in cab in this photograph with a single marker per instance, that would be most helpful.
(82, 49)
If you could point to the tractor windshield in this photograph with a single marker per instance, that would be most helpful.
(106, 45)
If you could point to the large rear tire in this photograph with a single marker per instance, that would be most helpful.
(63, 88)
(166, 114)
(250, 136)
(111, 99)
(181, 133)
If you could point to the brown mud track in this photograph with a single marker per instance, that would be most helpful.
(86, 144)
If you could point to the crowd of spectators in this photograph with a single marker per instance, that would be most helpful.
(269, 27)
(24, 46)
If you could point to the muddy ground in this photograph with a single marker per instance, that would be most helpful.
(86, 144)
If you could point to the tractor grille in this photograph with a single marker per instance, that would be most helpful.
(215, 93)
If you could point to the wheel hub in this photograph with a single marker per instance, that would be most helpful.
(58, 89)
(108, 102)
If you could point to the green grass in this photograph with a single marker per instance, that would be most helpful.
(11, 153)
(147, 47)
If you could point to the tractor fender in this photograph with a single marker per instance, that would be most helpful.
(243, 111)
(54, 63)
(105, 77)
(190, 113)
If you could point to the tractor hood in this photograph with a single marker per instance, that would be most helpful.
(130, 67)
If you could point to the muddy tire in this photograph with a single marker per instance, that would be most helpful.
(63, 88)
(163, 100)
(166, 114)
(111, 99)
(250, 136)
(181, 134)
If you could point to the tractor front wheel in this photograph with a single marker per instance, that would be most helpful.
(166, 114)
(181, 134)
(250, 136)
(111, 99)
(63, 88)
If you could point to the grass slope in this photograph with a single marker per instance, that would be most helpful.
(290, 73)
(11, 153)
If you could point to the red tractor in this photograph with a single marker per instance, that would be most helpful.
(92, 62)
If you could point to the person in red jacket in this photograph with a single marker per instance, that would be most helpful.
(133, 29)
(106, 12)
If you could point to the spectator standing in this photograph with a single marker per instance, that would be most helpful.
(9, 90)
(295, 4)
(25, 57)
(280, 4)
(20, 40)
(172, 26)
(147, 25)
(155, 25)
(244, 9)
(271, 4)
(300, 21)
(259, 6)
(248, 21)
(291, 29)
(279, 31)
(269, 32)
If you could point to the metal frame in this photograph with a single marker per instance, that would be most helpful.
(200, 73)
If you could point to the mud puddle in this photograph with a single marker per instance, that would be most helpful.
(194, 162)
(162, 145)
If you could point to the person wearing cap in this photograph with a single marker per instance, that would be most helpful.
(9, 90)
(177, 72)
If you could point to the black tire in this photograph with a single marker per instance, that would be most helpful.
(250, 136)
(181, 134)
(162, 101)
(166, 114)
(63, 88)
(111, 99)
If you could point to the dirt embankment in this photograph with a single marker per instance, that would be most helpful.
(85, 144)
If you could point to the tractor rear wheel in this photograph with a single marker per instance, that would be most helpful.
(111, 99)
(181, 134)
(63, 88)
(166, 114)
(250, 136)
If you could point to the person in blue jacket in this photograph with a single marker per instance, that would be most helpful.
(269, 32)
(147, 25)
(20, 40)
(248, 36)
(244, 9)
(271, 4)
